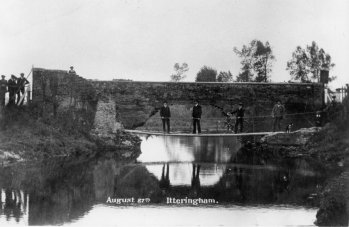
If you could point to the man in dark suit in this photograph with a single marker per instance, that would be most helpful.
(12, 89)
(197, 111)
(278, 113)
(240, 112)
(3, 90)
(165, 115)
(21, 82)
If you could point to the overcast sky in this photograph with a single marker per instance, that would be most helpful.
(142, 39)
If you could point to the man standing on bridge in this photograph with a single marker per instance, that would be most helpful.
(278, 114)
(197, 111)
(240, 111)
(165, 115)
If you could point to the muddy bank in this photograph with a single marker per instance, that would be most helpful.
(24, 136)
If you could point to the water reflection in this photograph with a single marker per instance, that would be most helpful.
(60, 192)
(188, 149)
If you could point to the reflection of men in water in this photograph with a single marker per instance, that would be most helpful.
(165, 115)
(196, 114)
(165, 177)
(278, 113)
(195, 180)
(240, 111)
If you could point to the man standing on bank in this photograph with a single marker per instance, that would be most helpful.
(278, 114)
(22, 81)
(240, 112)
(3, 90)
(12, 89)
(197, 111)
(165, 115)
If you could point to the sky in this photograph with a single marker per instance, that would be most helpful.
(143, 39)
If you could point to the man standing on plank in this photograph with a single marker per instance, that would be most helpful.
(278, 114)
(165, 115)
(240, 111)
(197, 111)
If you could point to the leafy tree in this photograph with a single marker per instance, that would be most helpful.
(225, 77)
(245, 75)
(257, 59)
(307, 63)
(206, 74)
(180, 71)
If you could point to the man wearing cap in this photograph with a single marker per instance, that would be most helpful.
(196, 114)
(72, 71)
(12, 89)
(165, 115)
(3, 90)
(240, 112)
(21, 82)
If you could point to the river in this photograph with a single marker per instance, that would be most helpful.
(176, 181)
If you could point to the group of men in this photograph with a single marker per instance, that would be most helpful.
(165, 115)
(14, 86)
(278, 113)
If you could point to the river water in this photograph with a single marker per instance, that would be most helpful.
(176, 181)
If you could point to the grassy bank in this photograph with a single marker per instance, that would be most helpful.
(25, 136)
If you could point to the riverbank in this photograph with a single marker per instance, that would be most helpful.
(327, 148)
(24, 136)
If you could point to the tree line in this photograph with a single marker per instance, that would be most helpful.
(257, 60)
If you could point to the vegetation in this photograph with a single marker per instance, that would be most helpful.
(225, 77)
(306, 64)
(206, 74)
(180, 71)
(257, 61)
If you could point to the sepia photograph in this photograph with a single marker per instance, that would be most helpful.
(174, 113)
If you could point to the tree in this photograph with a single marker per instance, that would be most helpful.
(180, 71)
(206, 74)
(245, 75)
(307, 63)
(225, 77)
(257, 60)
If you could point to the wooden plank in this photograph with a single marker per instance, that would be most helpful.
(200, 135)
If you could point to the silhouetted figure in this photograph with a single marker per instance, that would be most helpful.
(165, 177)
(12, 89)
(239, 113)
(195, 180)
(278, 113)
(3, 90)
(72, 71)
(165, 115)
(21, 82)
(196, 114)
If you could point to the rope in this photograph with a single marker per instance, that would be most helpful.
(249, 117)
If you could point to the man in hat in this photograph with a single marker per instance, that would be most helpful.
(239, 114)
(196, 114)
(21, 82)
(3, 90)
(12, 89)
(165, 115)
(278, 113)
(72, 71)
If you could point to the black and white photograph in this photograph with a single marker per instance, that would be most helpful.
(174, 113)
